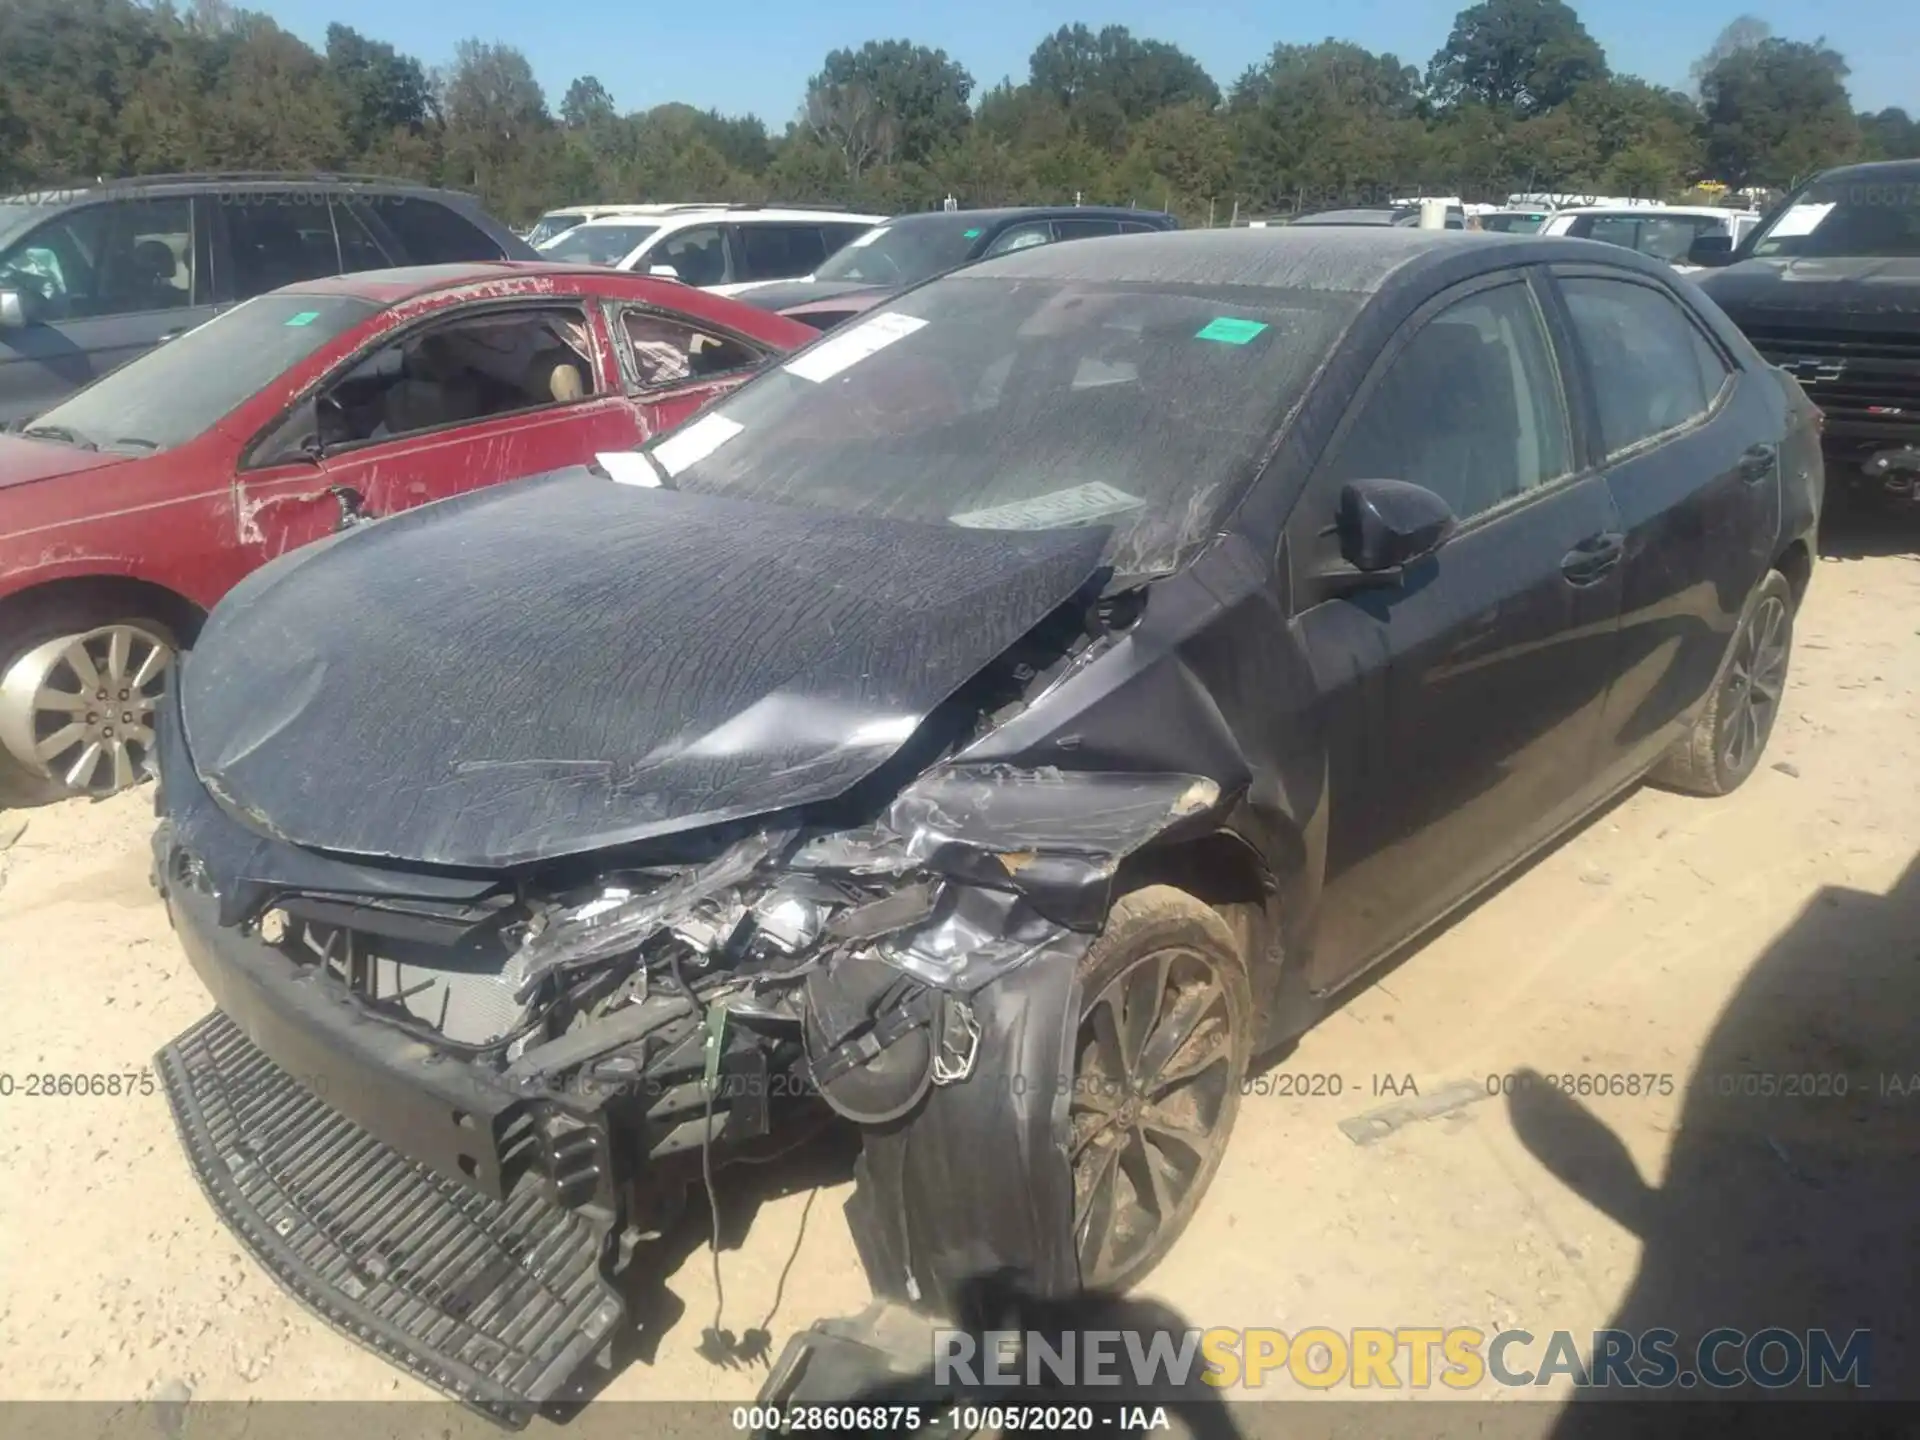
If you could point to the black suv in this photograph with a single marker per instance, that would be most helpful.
(1828, 288)
(94, 275)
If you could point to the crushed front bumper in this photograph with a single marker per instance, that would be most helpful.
(499, 1305)
(380, 1186)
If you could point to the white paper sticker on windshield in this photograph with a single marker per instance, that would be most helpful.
(1800, 220)
(849, 347)
(628, 467)
(1081, 505)
(866, 237)
(694, 443)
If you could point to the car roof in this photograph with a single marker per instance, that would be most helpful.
(408, 282)
(1874, 170)
(226, 180)
(995, 216)
(1358, 258)
(705, 215)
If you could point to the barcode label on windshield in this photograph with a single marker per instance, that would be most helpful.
(849, 347)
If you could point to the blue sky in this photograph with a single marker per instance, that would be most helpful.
(754, 56)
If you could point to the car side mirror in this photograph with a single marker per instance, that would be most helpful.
(16, 308)
(663, 272)
(1386, 525)
(1710, 251)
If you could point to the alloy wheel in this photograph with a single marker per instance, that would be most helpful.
(1151, 1107)
(78, 710)
(1755, 681)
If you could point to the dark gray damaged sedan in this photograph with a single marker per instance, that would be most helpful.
(994, 726)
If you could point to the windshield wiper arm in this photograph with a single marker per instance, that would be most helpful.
(60, 433)
(136, 442)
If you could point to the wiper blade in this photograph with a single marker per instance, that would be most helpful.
(135, 442)
(60, 433)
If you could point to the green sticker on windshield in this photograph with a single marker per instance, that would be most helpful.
(1230, 331)
(969, 234)
(305, 317)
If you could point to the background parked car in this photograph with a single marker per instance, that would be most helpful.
(1513, 222)
(128, 510)
(907, 249)
(556, 221)
(1666, 232)
(1407, 216)
(91, 277)
(1828, 288)
(710, 246)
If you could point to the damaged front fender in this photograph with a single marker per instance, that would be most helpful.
(976, 1181)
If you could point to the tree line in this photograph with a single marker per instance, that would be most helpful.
(1520, 98)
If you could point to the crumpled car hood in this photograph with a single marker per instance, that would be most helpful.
(1812, 288)
(563, 664)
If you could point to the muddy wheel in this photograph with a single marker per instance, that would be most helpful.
(1161, 1050)
(1728, 738)
(78, 690)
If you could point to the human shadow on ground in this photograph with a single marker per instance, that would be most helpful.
(1789, 1198)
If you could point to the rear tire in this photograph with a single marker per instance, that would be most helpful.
(1731, 732)
(1162, 1048)
(80, 682)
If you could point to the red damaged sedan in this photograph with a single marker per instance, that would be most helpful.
(129, 509)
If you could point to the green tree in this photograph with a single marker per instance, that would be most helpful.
(1891, 134)
(1108, 81)
(587, 105)
(499, 135)
(277, 108)
(895, 98)
(1326, 125)
(1525, 56)
(1741, 33)
(381, 90)
(1777, 111)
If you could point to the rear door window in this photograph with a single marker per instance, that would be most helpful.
(777, 251)
(278, 238)
(433, 233)
(1021, 237)
(665, 350)
(1084, 229)
(359, 250)
(697, 254)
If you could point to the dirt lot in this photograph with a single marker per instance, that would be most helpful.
(1777, 931)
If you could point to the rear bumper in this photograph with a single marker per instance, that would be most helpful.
(499, 1305)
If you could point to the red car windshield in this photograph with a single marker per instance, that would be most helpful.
(175, 393)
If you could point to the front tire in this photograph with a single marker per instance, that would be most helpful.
(1163, 1046)
(80, 683)
(1731, 731)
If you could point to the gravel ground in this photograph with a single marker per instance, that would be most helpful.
(1777, 931)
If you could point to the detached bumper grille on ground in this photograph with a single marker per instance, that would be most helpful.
(495, 1304)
